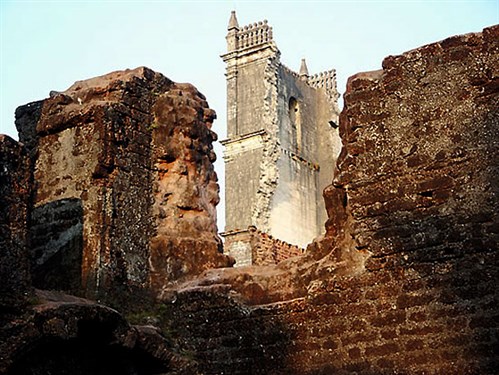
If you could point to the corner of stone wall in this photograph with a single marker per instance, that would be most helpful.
(125, 191)
(15, 194)
(269, 173)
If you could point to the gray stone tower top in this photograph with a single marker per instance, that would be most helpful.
(249, 36)
(280, 150)
(233, 24)
(303, 70)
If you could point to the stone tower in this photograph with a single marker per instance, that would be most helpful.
(282, 143)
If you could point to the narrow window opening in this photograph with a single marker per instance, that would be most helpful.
(295, 119)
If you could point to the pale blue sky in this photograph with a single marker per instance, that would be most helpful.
(47, 45)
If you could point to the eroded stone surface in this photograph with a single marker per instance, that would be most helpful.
(15, 190)
(68, 335)
(134, 151)
(404, 281)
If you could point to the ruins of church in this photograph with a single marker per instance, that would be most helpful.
(281, 147)
(111, 195)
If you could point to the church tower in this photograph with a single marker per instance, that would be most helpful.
(282, 143)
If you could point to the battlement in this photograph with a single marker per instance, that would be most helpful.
(254, 34)
(325, 80)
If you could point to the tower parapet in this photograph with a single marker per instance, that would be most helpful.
(289, 71)
(325, 80)
(252, 35)
(255, 34)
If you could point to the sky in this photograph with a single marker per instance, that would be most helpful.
(48, 45)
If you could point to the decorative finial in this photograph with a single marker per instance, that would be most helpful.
(233, 24)
(303, 69)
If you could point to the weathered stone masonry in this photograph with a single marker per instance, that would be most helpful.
(281, 147)
(264, 249)
(113, 197)
(15, 190)
(405, 280)
(125, 189)
(61, 334)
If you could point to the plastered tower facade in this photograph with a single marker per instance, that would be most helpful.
(282, 143)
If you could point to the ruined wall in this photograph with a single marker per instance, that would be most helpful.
(308, 148)
(61, 334)
(405, 280)
(113, 197)
(185, 188)
(269, 250)
(254, 247)
(124, 184)
(15, 190)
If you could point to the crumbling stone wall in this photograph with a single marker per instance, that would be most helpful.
(15, 190)
(124, 184)
(114, 197)
(257, 248)
(61, 334)
(405, 279)
(269, 250)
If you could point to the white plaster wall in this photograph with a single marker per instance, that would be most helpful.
(293, 215)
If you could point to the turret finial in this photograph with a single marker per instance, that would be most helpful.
(303, 69)
(233, 24)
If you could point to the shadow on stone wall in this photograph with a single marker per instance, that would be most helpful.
(15, 280)
(405, 280)
(226, 337)
(420, 169)
(56, 245)
(89, 354)
(67, 335)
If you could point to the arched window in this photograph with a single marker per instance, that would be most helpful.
(295, 119)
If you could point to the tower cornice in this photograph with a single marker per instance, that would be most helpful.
(236, 54)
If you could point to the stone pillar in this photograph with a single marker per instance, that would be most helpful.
(125, 186)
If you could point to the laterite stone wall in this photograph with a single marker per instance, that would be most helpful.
(405, 280)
